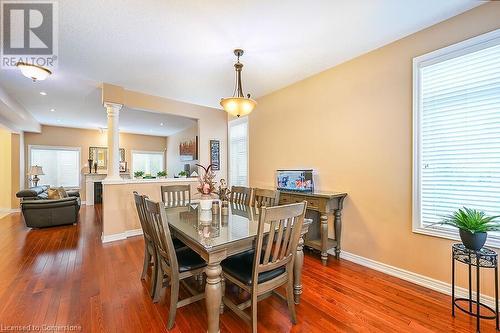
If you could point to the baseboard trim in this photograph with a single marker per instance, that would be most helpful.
(421, 280)
(121, 236)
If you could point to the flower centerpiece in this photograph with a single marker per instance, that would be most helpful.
(206, 186)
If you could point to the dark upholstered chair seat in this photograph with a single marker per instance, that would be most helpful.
(189, 260)
(240, 266)
(178, 244)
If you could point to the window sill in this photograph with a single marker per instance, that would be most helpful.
(492, 241)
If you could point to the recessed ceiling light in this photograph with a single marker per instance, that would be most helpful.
(161, 124)
(52, 110)
(43, 93)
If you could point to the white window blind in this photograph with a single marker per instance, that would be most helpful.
(61, 165)
(238, 152)
(148, 162)
(457, 129)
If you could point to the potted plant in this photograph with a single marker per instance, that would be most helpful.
(473, 226)
(183, 174)
(139, 174)
(206, 187)
(162, 174)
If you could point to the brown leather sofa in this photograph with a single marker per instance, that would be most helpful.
(41, 212)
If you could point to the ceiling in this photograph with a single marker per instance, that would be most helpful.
(183, 49)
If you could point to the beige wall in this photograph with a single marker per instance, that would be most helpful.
(9, 169)
(175, 165)
(5, 169)
(84, 138)
(353, 125)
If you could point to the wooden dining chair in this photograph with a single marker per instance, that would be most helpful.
(173, 265)
(176, 195)
(149, 245)
(240, 195)
(270, 265)
(267, 198)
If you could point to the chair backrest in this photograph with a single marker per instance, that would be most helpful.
(280, 245)
(176, 195)
(240, 195)
(156, 215)
(141, 212)
(265, 198)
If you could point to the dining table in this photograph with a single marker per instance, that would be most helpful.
(217, 234)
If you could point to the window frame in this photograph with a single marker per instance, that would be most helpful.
(231, 124)
(456, 50)
(156, 152)
(49, 147)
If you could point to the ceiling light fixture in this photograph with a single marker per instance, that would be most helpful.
(34, 72)
(43, 93)
(52, 110)
(161, 124)
(238, 105)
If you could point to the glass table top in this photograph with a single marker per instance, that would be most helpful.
(212, 230)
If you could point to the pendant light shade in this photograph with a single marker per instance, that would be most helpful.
(238, 105)
(34, 72)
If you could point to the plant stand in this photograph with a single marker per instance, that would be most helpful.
(483, 258)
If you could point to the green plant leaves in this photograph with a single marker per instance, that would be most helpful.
(472, 220)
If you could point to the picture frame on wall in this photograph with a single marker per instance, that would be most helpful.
(123, 166)
(188, 149)
(100, 156)
(215, 154)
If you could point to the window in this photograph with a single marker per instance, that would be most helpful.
(61, 165)
(238, 152)
(148, 161)
(456, 120)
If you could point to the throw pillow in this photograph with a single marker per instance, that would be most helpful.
(53, 193)
(62, 192)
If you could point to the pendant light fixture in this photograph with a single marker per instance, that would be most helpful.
(238, 105)
(34, 72)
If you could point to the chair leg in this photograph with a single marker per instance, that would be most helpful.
(154, 276)
(147, 260)
(159, 282)
(174, 297)
(254, 313)
(290, 300)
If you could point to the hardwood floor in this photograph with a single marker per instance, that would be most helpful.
(66, 276)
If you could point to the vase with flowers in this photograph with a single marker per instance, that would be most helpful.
(206, 187)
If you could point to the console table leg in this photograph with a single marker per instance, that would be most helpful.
(324, 239)
(337, 222)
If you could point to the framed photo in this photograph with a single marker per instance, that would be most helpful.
(100, 156)
(215, 154)
(188, 149)
(123, 166)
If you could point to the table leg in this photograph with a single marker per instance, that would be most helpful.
(297, 271)
(337, 222)
(213, 296)
(452, 285)
(324, 238)
(478, 306)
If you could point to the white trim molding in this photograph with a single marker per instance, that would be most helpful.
(421, 280)
(121, 236)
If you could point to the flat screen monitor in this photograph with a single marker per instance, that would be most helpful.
(295, 180)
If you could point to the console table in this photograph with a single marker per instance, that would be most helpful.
(322, 203)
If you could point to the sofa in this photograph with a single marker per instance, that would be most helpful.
(40, 212)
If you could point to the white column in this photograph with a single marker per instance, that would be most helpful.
(113, 111)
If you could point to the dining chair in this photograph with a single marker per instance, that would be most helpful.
(267, 198)
(149, 246)
(240, 195)
(270, 265)
(174, 265)
(176, 195)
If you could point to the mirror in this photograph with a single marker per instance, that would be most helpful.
(100, 156)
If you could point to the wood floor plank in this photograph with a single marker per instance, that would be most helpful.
(66, 276)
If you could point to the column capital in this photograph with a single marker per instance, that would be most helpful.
(112, 108)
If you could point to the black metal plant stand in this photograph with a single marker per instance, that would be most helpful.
(484, 258)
